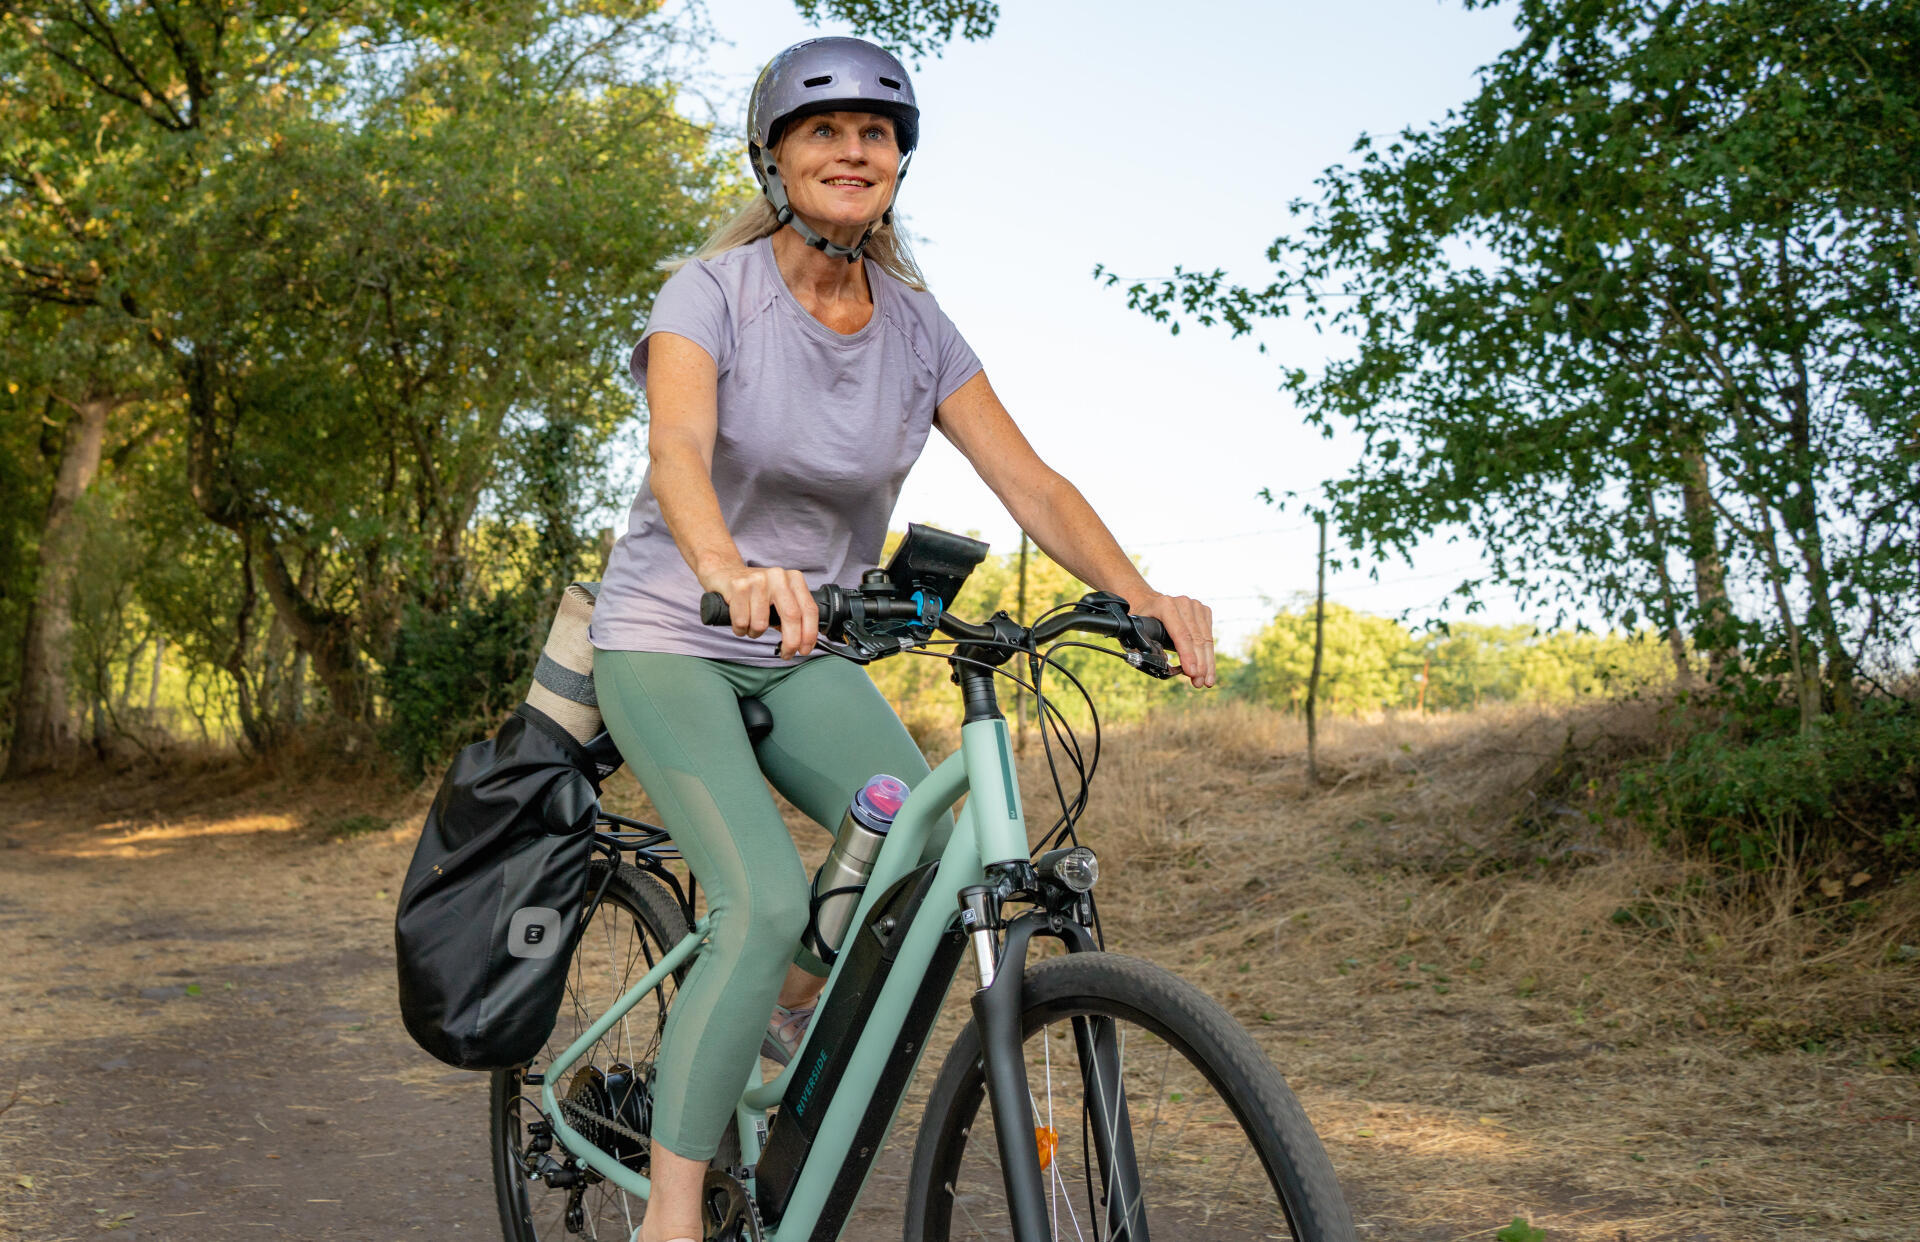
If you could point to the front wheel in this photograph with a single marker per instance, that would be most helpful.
(1155, 1114)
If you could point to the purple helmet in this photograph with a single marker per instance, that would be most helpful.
(833, 74)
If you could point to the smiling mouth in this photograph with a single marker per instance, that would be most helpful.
(855, 182)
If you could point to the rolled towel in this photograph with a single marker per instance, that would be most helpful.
(563, 679)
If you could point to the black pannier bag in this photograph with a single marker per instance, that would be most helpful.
(491, 904)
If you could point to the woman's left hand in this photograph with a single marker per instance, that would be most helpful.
(1190, 625)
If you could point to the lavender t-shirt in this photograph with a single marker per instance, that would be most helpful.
(816, 434)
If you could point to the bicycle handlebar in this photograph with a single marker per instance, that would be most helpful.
(1099, 614)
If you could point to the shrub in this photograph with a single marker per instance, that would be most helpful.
(1751, 784)
(454, 674)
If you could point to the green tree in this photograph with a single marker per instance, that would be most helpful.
(387, 315)
(1467, 664)
(103, 112)
(362, 273)
(1640, 316)
(1367, 662)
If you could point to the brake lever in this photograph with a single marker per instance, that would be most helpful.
(1149, 665)
(1142, 652)
(862, 644)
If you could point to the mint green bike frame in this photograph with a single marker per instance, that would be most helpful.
(989, 829)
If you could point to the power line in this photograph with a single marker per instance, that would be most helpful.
(1245, 534)
(1379, 583)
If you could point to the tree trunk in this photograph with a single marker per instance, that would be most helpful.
(273, 681)
(1709, 576)
(256, 732)
(1806, 672)
(325, 634)
(1669, 603)
(293, 689)
(126, 682)
(42, 722)
(1800, 511)
(153, 687)
(1319, 638)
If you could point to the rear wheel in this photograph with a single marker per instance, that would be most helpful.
(608, 1092)
(1201, 1142)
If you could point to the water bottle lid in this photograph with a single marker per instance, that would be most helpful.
(882, 796)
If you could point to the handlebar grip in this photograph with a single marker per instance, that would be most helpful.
(1153, 631)
(714, 611)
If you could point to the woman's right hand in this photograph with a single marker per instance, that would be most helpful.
(752, 593)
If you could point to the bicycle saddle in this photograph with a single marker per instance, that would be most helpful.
(754, 715)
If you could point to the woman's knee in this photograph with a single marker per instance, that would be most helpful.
(765, 924)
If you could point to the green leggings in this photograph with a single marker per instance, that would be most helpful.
(677, 722)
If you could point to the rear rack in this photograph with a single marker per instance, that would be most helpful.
(652, 850)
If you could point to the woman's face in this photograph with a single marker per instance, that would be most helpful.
(839, 169)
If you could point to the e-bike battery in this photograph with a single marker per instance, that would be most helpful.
(836, 1032)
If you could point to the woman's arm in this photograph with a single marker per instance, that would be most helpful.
(683, 419)
(1061, 521)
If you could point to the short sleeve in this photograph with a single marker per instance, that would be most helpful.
(691, 304)
(954, 359)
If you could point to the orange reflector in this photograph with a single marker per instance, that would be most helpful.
(1047, 1141)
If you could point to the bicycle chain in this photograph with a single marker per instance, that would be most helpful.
(754, 1224)
(575, 1110)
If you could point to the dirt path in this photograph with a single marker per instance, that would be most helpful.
(199, 1013)
(204, 1025)
(197, 1004)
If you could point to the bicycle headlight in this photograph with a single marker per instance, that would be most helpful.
(1076, 868)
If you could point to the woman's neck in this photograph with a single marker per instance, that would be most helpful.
(818, 280)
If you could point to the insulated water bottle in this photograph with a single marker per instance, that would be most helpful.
(843, 876)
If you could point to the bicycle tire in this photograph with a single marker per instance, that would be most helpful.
(636, 922)
(956, 1161)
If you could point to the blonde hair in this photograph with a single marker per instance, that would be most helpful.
(887, 247)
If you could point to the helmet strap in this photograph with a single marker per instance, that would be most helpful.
(776, 191)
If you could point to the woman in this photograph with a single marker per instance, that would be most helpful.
(793, 369)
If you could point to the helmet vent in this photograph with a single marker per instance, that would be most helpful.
(819, 81)
(890, 84)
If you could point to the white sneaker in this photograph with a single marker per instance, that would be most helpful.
(784, 1033)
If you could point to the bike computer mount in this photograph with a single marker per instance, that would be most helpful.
(933, 564)
(927, 570)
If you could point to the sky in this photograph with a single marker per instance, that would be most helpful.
(1140, 136)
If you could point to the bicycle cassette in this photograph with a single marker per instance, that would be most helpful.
(727, 1210)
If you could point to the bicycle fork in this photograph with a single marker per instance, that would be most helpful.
(998, 1006)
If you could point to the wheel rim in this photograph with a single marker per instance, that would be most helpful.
(1201, 1176)
(615, 951)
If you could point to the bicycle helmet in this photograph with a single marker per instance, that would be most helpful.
(833, 74)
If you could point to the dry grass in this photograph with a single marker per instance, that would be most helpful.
(1494, 999)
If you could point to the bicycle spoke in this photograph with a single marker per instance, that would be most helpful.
(1187, 1177)
(1053, 1197)
(616, 949)
(978, 1231)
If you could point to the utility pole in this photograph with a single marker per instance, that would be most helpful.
(1020, 696)
(1319, 640)
(1426, 677)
